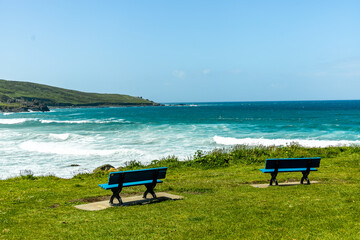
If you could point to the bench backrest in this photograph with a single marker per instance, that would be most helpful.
(292, 163)
(137, 175)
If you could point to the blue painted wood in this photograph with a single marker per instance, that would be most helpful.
(304, 165)
(148, 177)
(107, 186)
(292, 163)
(287, 170)
(136, 175)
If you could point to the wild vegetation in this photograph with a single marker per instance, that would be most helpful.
(23, 96)
(219, 203)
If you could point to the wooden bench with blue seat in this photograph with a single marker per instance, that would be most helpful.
(304, 165)
(148, 177)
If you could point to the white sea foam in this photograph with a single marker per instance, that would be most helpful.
(62, 136)
(84, 121)
(14, 120)
(68, 121)
(69, 149)
(281, 142)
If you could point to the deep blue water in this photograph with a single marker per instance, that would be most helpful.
(48, 143)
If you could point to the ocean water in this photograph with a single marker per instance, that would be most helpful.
(49, 143)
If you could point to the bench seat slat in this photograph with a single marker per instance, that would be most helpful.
(287, 170)
(128, 184)
(137, 175)
(292, 163)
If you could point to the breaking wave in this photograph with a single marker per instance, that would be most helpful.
(85, 121)
(15, 120)
(61, 136)
(67, 149)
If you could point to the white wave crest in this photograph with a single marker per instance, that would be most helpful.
(282, 142)
(67, 149)
(63, 136)
(58, 121)
(14, 121)
(84, 121)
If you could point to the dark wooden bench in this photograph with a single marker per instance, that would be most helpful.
(148, 177)
(304, 165)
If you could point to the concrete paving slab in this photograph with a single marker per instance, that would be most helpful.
(129, 201)
(280, 184)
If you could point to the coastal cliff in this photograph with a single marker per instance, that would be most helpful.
(16, 96)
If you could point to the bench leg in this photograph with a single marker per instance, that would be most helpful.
(149, 189)
(273, 179)
(116, 194)
(305, 177)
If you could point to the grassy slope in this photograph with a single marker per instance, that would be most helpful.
(58, 96)
(219, 203)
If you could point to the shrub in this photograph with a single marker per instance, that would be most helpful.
(133, 164)
(27, 174)
(169, 161)
(213, 159)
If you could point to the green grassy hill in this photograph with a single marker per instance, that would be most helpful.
(22, 96)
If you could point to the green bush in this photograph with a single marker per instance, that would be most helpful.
(169, 161)
(133, 164)
(27, 174)
(213, 159)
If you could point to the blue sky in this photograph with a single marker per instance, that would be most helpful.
(186, 51)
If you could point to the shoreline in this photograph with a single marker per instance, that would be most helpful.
(216, 158)
(86, 106)
(106, 106)
(50, 142)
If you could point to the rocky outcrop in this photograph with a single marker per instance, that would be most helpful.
(105, 167)
(40, 108)
(23, 109)
(20, 105)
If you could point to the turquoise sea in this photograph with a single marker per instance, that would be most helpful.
(50, 142)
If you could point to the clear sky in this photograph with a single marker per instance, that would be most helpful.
(188, 50)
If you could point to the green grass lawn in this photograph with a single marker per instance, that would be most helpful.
(219, 203)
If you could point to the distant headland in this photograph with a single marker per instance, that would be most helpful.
(16, 96)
